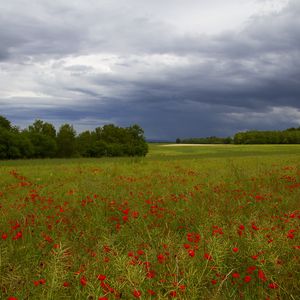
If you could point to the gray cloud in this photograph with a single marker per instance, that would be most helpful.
(88, 60)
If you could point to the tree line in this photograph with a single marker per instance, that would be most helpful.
(41, 140)
(287, 136)
(205, 140)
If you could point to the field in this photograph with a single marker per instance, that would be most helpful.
(183, 223)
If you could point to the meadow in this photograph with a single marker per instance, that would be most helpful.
(189, 223)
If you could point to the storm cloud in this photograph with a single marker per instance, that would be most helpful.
(172, 68)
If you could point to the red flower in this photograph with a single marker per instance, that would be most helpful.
(261, 275)
(140, 252)
(137, 294)
(236, 275)
(150, 292)
(42, 281)
(161, 258)
(36, 282)
(235, 249)
(18, 235)
(191, 253)
(254, 226)
(102, 298)
(251, 269)
(150, 274)
(213, 281)
(4, 236)
(207, 256)
(83, 281)
(247, 278)
(101, 277)
(173, 294)
(273, 285)
(66, 284)
(135, 214)
(12, 298)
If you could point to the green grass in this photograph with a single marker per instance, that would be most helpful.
(147, 224)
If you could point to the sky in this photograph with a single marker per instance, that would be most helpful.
(178, 68)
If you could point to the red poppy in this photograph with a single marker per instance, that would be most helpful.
(173, 294)
(101, 277)
(137, 294)
(273, 285)
(83, 281)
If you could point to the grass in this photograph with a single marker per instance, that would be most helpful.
(182, 223)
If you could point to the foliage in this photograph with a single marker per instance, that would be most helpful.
(289, 136)
(40, 140)
(205, 140)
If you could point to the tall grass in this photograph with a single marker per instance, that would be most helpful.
(180, 224)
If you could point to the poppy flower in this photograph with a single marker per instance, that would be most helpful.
(137, 294)
(173, 294)
(207, 256)
(83, 281)
(101, 277)
(273, 285)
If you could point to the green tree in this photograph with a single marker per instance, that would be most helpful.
(66, 141)
(4, 123)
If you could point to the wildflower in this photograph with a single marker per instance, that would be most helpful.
(191, 253)
(137, 294)
(140, 252)
(251, 269)
(12, 298)
(247, 279)
(150, 274)
(150, 292)
(4, 236)
(161, 258)
(101, 277)
(236, 275)
(290, 234)
(36, 282)
(173, 294)
(42, 281)
(254, 227)
(213, 281)
(186, 246)
(261, 275)
(66, 284)
(83, 281)
(182, 287)
(207, 256)
(273, 285)
(135, 214)
(17, 236)
(235, 249)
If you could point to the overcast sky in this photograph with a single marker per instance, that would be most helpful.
(178, 68)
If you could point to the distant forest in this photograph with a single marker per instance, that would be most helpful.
(288, 136)
(40, 140)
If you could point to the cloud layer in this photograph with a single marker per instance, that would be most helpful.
(96, 62)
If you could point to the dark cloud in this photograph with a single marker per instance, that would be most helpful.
(112, 64)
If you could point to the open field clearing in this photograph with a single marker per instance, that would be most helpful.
(183, 223)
